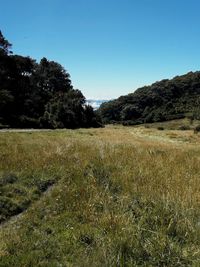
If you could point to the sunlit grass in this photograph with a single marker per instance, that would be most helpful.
(117, 197)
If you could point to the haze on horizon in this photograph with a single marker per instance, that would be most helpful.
(109, 47)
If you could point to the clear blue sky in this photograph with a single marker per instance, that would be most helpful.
(110, 47)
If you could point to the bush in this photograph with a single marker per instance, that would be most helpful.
(2, 126)
(27, 122)
(160, 128)
(184, 127)
(129, 123)
(197, 129)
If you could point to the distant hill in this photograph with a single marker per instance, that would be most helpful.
(161, 101)
(95, 103)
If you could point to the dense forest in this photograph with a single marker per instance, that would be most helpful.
(162, 101)
(39, 95)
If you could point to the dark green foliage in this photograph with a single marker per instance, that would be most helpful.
(4, 45)
(160, 128)
(197, 129)
(184, 127)
(162, 101)
(40, 95)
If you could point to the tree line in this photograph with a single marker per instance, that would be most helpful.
(39, 95)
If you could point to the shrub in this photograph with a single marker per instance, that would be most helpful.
(160, 128)
(184, 127)
(27, 122)
(129, 123)
(197, 129)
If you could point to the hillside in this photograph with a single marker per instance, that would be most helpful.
(161, 101)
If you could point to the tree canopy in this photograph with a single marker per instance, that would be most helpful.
(39, 95)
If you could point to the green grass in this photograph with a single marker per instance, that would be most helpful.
(180, 124)
(100, 197)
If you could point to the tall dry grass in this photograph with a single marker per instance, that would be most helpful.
(119, 197)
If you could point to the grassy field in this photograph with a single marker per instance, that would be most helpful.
(117, 196)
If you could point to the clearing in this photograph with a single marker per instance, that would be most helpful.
(116, 196)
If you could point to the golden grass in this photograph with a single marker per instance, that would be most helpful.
(124, 196)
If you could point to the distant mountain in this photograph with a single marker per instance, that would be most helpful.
(162, 101)
(95, 103)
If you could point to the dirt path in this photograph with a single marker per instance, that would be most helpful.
(24, 130)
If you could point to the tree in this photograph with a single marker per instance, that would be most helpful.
(52, 78)
(39, 95)
(6, 98)
(4, 45)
